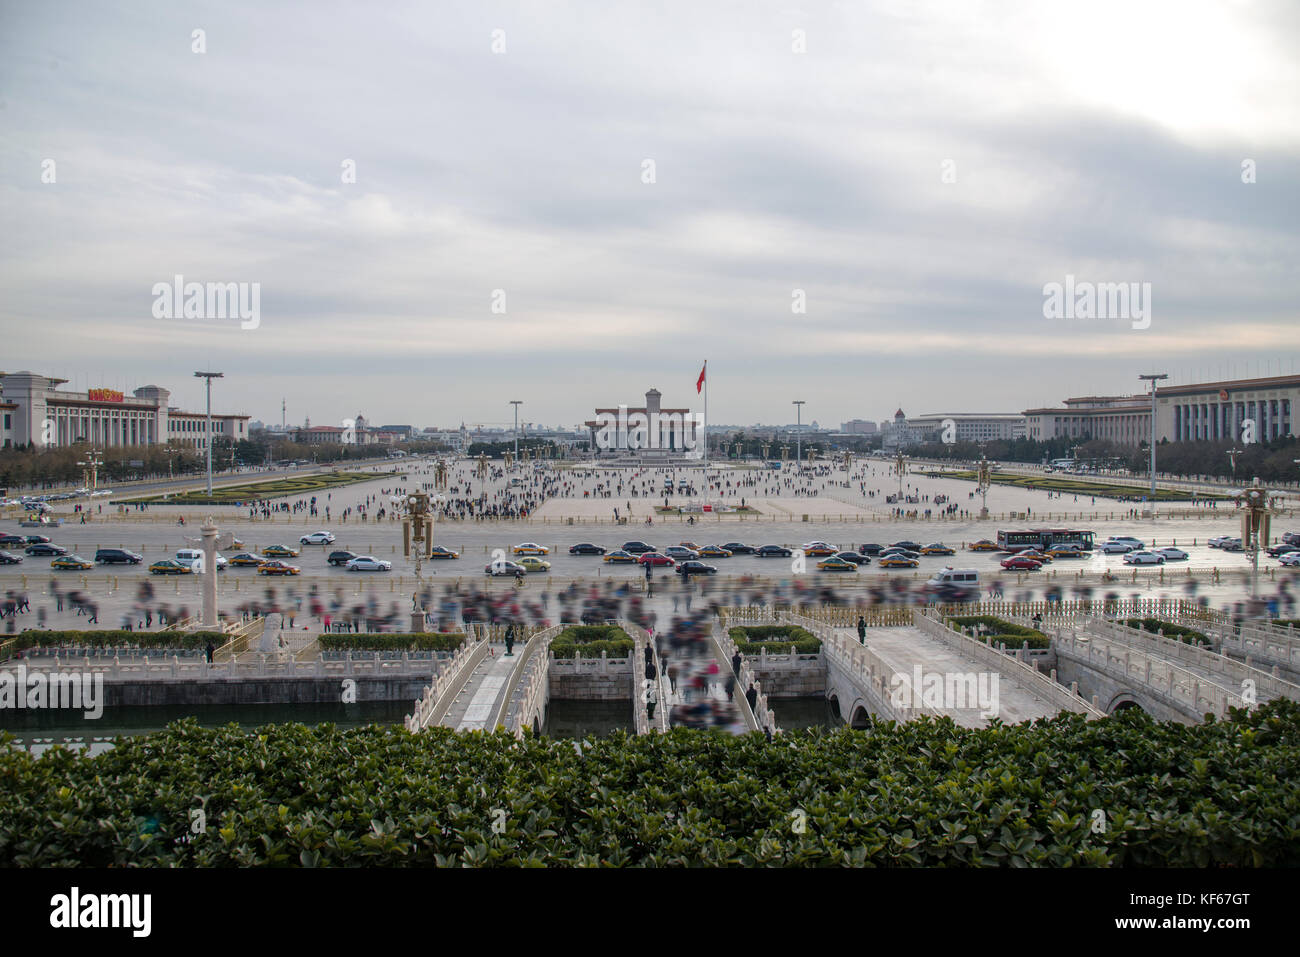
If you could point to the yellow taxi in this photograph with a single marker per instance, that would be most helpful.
(532, 564)
(531, 548)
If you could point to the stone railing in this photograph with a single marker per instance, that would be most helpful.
(252, 665)
(528, 681)
(1269, 645)
(760, 716)
(433, 703)
(1020, 672)
(1230, 670)
(662, 693)
(1157, 676)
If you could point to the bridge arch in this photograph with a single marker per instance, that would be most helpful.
(833, 700)
(1124, 700)
(860, 715)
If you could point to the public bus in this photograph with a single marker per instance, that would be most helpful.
(1019, 540)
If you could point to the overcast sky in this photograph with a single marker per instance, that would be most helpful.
(920, 172)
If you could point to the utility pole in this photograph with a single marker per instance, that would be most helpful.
(1154, 379)
(208, 377)
(798, 435)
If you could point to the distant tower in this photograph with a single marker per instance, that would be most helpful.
(652, 401)
(283, 422)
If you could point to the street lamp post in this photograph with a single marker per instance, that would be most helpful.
(1153, 379)
(798, 435)
(1258, 504)
(208, 377)
(516, 403)
(1232, 457)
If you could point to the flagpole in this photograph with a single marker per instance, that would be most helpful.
(706, 419)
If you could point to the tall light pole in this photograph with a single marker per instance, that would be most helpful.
(208, 377)
(798, 435)
(516, 403)
(1153, 379)
(1232, 457)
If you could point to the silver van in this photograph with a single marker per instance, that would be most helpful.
(968, 578)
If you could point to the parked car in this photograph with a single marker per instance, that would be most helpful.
(773, 551)
(317, 538)
(836, 564)
(1115, 548)
(117, 556)
(692, 567)
(586, 548)
(168, 566)
(714, 551)
(1144, 558)
(46, 549)
(368, 563)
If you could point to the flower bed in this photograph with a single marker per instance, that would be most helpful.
(588, 641)
(996, 631)
(777, 639)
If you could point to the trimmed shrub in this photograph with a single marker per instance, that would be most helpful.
(415, 641)
(588, 641)
(1187, 636)
(998, 631)
(777, 639)
(926, 793)
(186, 640)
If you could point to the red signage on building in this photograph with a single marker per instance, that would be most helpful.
(105, 395)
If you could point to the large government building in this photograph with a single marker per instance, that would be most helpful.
(34, 409)
(650, 433)
(1208, 411)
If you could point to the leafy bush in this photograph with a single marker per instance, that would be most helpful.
(1188, 636)
(925, 793)
(416, 641)
(186, 640)
(588, 641)
(777, 639)
(1001, 632)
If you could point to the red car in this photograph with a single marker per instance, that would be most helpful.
(654, 558)
(1016, 563)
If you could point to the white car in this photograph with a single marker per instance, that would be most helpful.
(1219, 541)
(317, 538)
(1144, 558)
(365, 563)
(1127, 540)
(1114, 548)
(1291, 558)
(1172, 554)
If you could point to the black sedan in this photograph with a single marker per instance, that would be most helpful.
(38, 540)
(773, 551)
(586, 548)
(638, 548)
(45, 548)
(871, 548)
(12, 540)
(910, 546)
(341, 558)
(8, 558)
(739, 548)
(854, 557)
(696, 568)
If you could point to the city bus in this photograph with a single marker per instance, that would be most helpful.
(1016, 541)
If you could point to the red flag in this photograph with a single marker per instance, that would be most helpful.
(699, 383)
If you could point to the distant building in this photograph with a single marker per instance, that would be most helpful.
(858, 427)
(650, 432)
(969, 426)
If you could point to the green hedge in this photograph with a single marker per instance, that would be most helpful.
(926, 793)
(777, 639)
(1187, 636)
(588, 641)
(1079, 486)
(1012, 635)
(187, 640)
(415, 641)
